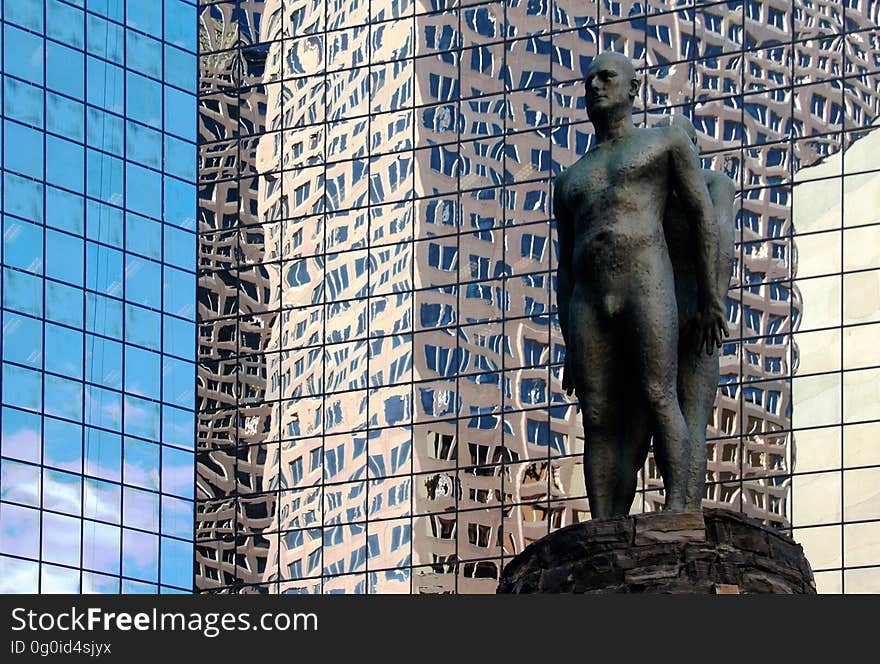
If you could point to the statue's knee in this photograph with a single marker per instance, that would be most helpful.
(659, 395)
(595, 420)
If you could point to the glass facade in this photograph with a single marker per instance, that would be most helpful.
(379, 398)
(98, 295)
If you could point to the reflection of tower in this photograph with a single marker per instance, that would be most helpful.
(378, 336)
(235, 314)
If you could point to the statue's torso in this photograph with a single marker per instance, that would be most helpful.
(616, 196)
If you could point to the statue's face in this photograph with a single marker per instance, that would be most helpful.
(610, 84)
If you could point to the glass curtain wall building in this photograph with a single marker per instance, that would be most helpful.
(378, 397)
(98, 295)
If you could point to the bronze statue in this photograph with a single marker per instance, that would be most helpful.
(617, 295)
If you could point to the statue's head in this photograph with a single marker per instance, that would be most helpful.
(611, 85)
(682, 123)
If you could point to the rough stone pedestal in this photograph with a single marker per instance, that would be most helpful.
(713, 551)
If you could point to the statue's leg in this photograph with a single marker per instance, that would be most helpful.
(591, 345)
(653, 340)
(697, 386)
(633, 453)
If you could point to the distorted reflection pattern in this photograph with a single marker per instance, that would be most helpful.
(380, 407)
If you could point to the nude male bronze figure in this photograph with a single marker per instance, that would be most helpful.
(616, 290)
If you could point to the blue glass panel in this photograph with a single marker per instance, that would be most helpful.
(65, 257)
(22, 292)
(178, 289)
(64, 354)
(103, 449)
(103, 315)
(105, 85)
(22, 339)
(103, 408)
(178, 426)
(140, 555)
(177, 569)
(179, 337)
(65, 23)
(141, 417)
(22, 387)
(22, 245)
(103, 501)
(180, 247)
(64, 304)
(177, 517)
(114, 9)
(143, 372)
(143, 145)
(143, 327)
(19, 531)
(143, 99)
(22, 102)
(62, 444)
(23, 197)
(180, 68)
(23, 149)
(143, 53)
(104, 223)
(101, 547)
(144, 15)
(105, 39)
(22, 54)
(20, 483)
(65, 210)
(63, 397)
(21, 437)
(180, 115)
(143, 281)
(140, 509)
(143, 236)
(143, 190)
(177, 472)
(103, 361)
(26, 13)
(64, 70)
(105, 131)
(66, 117)
(180, 158)
(180, 24)
(180, 203)
(64, 163)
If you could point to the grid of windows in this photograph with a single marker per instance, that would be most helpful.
(98, 295)
(379, 405)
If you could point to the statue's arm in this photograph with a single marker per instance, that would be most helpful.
(723, 191)
(564, 284)
(688, 184)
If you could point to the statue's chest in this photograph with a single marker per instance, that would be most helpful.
(613, 169)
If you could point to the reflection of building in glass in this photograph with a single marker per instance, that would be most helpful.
(380, 408)
(98, 286)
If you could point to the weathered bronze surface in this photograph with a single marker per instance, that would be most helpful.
(646, 245)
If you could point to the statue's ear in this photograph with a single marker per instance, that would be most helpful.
(634, 88)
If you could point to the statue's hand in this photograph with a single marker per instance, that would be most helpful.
(709, 326)
(567, 382)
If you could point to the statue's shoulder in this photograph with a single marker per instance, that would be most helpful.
(671, 136)
(576, 170)
(720, 182)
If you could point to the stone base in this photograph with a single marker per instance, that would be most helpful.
(714, 551)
